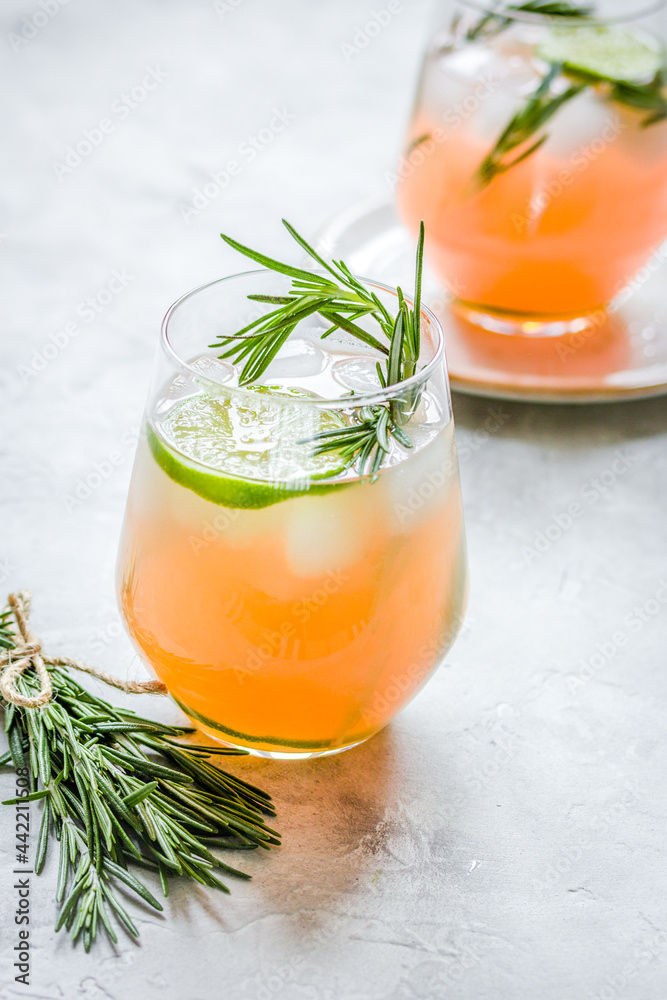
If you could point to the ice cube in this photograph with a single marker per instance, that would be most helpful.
(359, 374)
(429, 411)
(421, 483)
(214, 369)
(178, 389)
(583, 128)
(297, 359)
(327, 534)
(466, 63)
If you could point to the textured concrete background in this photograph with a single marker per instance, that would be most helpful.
(503, 840)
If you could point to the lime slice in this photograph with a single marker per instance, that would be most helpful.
(606, 52)
(246, 451)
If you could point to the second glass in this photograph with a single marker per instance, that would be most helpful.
(537, 157)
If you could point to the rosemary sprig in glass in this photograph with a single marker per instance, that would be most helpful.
(561, 83)
(119, 791)
(650, 97)
(486, 28)
(544, 103)
(492, 24)
(525, 124)
(341, 300)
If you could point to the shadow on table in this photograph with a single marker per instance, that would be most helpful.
(333, 804)
(336, 815)
(339, 817)
(563, 426)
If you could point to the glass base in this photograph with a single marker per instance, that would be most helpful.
(262, 746)
(516, 324)
(277, 754)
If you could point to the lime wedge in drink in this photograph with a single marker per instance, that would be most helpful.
(604, 51)
(246, 449)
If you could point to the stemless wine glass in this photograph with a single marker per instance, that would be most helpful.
(537, 157)
(290, 605)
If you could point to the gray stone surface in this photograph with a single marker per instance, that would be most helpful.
(504, 838)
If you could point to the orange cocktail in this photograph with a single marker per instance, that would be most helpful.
(538, 218)
(291, 607)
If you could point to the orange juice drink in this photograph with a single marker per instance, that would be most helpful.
(291, 606)
(543, 184)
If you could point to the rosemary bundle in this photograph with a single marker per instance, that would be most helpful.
(120, 791)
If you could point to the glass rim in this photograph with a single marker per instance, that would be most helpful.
(359, 399)
(533, 17)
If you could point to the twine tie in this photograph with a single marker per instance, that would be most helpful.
(28, 653)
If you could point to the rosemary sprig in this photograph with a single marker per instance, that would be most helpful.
(366, 441)
(341, 300)
(560, 85)
(416, 143)
(337, 296)
(651, 97)
(119, 790)
(525, 124)
(492, 24)
(543, 105)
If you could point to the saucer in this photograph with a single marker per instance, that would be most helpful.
(624, 356)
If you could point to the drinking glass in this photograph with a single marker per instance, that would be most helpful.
(290, 605)
(537, 157)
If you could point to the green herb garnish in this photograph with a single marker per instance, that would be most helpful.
(537, 111)
(651, 97)
(416, 143)
(619, 65)
(121, 791)
(493, 24)
(341, 300)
